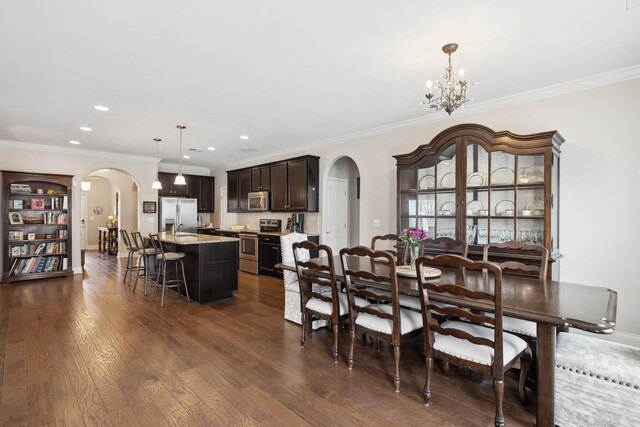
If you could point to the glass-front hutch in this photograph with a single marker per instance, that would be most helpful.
(471, 183)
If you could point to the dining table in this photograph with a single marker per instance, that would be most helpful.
(550, 304)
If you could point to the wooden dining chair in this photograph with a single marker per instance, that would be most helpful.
(437, 246)
(480, 348)
(319, 293)
(394, 241)
(384, 319)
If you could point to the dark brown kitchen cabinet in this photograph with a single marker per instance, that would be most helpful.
(261, 178)
(238, 188)
(198, 187)
(169, 189)
(294, 185)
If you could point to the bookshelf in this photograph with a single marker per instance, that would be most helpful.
(37, 226)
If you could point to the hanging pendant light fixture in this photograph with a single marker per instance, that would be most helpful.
(85, 185)
(180, 178)
(157, 185)
(449, 95)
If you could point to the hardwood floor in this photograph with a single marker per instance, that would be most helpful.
(87, 351)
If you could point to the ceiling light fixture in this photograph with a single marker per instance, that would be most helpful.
(186, 157)
(211, 148)
(449, 95)
(85, 185)
(244, 137)
(180, 178)
(74, 142)
(157, 185)
(101, 108)
(86, 128)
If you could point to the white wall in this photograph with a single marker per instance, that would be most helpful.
(100, 195)
(599, 179)
(345, 168)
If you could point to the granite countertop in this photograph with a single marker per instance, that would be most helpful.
(253, 231)
(193, 238)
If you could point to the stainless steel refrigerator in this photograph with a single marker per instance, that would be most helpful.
(178, 210)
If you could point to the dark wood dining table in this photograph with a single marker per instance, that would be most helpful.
(551, 305)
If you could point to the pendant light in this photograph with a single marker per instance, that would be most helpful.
(157, 185)
(180, 178)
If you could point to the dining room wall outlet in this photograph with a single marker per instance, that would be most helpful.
(376, 223)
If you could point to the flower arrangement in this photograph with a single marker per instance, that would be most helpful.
(413, 238)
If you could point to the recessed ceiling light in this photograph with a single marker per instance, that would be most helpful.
(211, 148)
(86, 128)
(74, 142)
(101, 108)
(186, 157)
(244, 137)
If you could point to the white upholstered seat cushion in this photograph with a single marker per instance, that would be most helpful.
(171, 256)
(409, 320)
(286, 246)
(512, 345)
(518, 326)
(325, 307)
(414, 302)
(147, 251)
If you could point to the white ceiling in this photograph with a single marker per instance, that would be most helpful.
(285, 73)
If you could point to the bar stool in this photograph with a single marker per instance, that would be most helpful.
(162, 259)
(130, 267)
(146, 259)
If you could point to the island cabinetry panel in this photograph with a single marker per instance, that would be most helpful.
(210, 269)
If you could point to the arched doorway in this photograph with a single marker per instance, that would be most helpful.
(113, 197)
(341, 200)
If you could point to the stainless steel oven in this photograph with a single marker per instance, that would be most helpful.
(248, 252)
(259, 201)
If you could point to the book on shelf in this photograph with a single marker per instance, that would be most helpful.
(41, 264)
(16, 204)
(65, 263)
(19, 188)
(65, 202)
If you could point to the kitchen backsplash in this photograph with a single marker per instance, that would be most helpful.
(252, 220)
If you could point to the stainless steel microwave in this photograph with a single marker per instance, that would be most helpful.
(259, 201)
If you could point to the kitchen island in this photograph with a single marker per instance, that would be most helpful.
(210, 264)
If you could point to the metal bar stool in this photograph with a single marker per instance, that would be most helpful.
(146, 259)
(130, 267)
(162, 259)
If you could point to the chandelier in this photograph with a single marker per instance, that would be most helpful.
(449, 95)
(157, 185)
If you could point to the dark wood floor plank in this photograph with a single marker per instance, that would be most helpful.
(87, 351)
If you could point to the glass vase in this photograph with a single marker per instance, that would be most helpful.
(414, 253)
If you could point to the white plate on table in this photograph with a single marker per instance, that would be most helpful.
(429, 272)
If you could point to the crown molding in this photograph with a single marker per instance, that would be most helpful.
(76, 151)
(604, 79)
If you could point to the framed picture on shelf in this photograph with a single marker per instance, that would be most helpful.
(37, 203)
(149, 207)
(31, 236)
(16, 235)
(15, 218)
(17, 204)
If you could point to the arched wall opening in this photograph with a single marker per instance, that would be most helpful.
(114, 197)
(341, 211)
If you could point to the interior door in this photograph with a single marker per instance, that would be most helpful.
(83, 221)
(336, 227)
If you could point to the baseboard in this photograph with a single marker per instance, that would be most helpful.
(77, 270)
(619, 337)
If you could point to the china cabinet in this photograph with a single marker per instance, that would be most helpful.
(471, 183)
(37, 228)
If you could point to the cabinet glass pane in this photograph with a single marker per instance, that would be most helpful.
(427, 175)
(408, 204)
(530, 202)
(477, 203)
(481, 231)
(555, 204)
(502, 203)
(446, 168)
(426, 204)
(531, 169)
(407, 223)
(502, 230)
(531, 230)
(502, 168)
(428, 225)
(407, 179)
(477, 165)
(445, 204)
(445, 227)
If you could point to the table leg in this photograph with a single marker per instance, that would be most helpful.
(546, 366)
(100, 234)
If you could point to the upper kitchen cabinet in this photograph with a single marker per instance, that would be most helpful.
(294, 185)
(473, 184)
(238, 189)
(169, 189)
(202, 188)
(261, 178)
